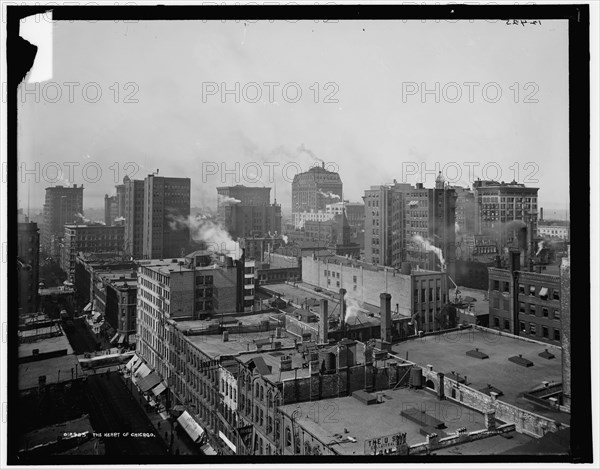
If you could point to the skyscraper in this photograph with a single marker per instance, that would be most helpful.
(499, 203)
(247, 211)
(111, 209)
(384, 224)
(166, 231)
(60, 207)
(412, 224)
(315, 188)
(134, 217)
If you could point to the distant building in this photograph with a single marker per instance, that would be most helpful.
(88, 266)
(115, 297)
(28, 264)
(384, 224)
(89, 238)
(397, 214)
(554, 231)
(166, 233)
(355, 212)
(500, 203)
(525, 303)
(244, 195)
(247, 211)
(466, 211)
(256, 248)
(111, 209)
(62, 206)
(300, 218)
(134, 217)
(121, 197)
(277, 268)
(419, 294)
(314, 189)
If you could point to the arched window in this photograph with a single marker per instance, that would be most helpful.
(262, 393)
(256, 390)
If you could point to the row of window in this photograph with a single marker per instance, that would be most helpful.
(543, 293)
(531, 329)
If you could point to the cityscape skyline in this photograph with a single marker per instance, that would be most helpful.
(299, 238)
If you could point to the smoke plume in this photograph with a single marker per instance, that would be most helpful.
(285, 238)
(352, 308)
(226, 200)
(329, 195)
(425, 244)
(540, 247)
(215, 236)
(303, 149)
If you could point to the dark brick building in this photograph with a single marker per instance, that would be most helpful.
(525, 303)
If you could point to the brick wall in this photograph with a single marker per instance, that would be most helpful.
(344, 382)
(565, 320)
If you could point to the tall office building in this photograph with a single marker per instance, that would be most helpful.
(247, 211)
(89, 238)
(28, 251)
(499, 203)
(166, 211)
(315, 188)
(430, 214)
(383, 224)
(466, 210)
(120, 195)
(134, 217)
(405, 223)
(111, 209)
(60, 207)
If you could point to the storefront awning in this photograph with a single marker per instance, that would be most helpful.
(191, 427)
(159, 389)
(208, 450)
(227, 441)
(114, 338)
(121, 338)
(131, 363)
(148, 382)
(88, 307)
(142, 371)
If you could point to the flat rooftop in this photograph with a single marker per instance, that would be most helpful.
(44, 345)
(506, 443)
(365, 422)
(447, 353)
(304, 291)
(213, 345)
(29, 373)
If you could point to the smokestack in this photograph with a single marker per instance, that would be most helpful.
(515, 264)
(342, 307)
(523, 247)
(541, 213)
(324, 323)
(515, 260)
(385, 310)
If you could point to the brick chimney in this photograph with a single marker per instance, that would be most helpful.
(324, 322)
(342, 307)
(385, 310)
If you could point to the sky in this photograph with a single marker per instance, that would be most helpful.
(501, 110)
